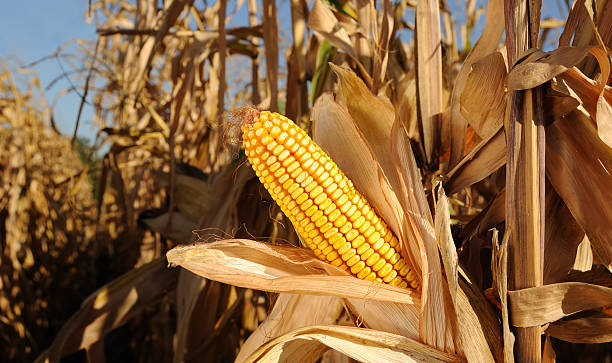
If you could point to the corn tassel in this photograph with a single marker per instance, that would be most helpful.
(333, 218)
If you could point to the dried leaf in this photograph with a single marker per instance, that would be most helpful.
(291, 312)
(307, 344)
(575, 157)
(260, 266)
(483, 100)
(486, 44)
(541, 67)
(323, 21)
(544, 304)
(482, 161)
(429, 73)
(110, 307)
(402, 319)
(594, 329)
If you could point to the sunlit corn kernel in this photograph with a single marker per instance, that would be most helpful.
(376, 246)
(327, 250)
(346, 227)
(362, 249)
(275, 166)
(334, 237)
(373, 258)
(337, 262)
(275, 131)
(404, 270)
(301, 198)
(330, 232)
(337, 194)
(311, 210)
(396, 281)
(331, 189)
(364, 272)
(321, 220)
(329, 209)
(346, 251)
(326, 227)
(390, 276)
(299, 217)
(358, 242)
(309, 226)
(325, 204)
(355, 216)
(313, 232)
(374, 237)
(332, 256)
(384, 249)
(359, 222)
(396, 257)
(389, 254)
(310, 186)
(334, 215)
(368, 232)
(378, 265)
(399, 264)
(316, 192)
(280, 172)
(371, 277)
(357, 267)
(366, 255)
(385, 270)
(341, 221)
(307, 204)
(299, 152)
(319, 172)
(307, 164)
(327, 182)
(291, 168)
(318, 199)
(345, 208)
(353, 260)
(271, 146)
(282, 137)
(313, 168)
(290, 142)
(295, 190)
(300, 178)
(351, 235)
(342, 199)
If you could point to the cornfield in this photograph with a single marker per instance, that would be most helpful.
(444, 192)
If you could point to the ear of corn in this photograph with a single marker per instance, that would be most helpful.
(333, 218)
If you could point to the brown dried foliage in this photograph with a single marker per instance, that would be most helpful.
(517, 137)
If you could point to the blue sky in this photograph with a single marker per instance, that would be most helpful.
(36, 28)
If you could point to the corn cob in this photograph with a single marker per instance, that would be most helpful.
(330, 216)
